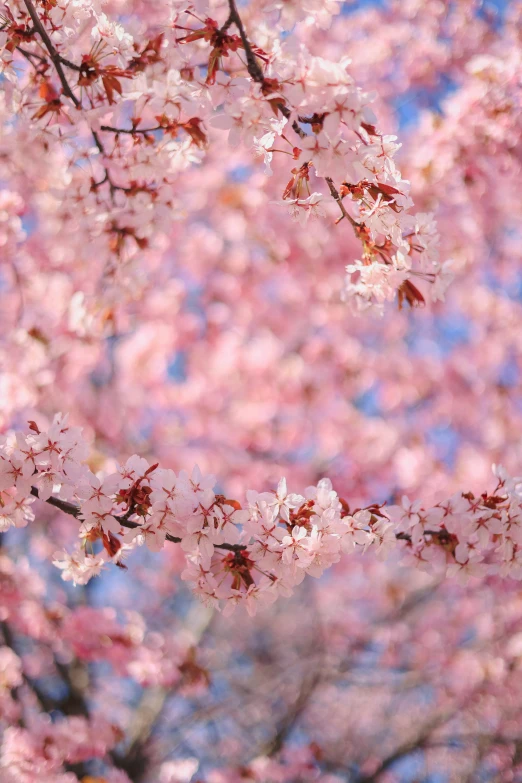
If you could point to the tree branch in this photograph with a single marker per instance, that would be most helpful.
(287, 725)
(254, 69)
(148, 713)
(69, 508)
(58, 60)
(55, 57)
(131, 131)
(75, 511)
(419, 742)
(257, 75)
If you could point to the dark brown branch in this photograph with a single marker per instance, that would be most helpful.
(441, 534)
(254, 69)
(69, 508)
(256, 73)
(58, 60)
(75, 511)
(228, 22)
(130, 131)
(69, 64)
(74, 676)
(55, 57)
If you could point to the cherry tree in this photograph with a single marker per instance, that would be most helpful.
(261, 305)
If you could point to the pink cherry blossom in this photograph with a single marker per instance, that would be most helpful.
(279, 241)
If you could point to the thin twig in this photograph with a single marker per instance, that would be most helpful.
(28, 54)
(337, 197)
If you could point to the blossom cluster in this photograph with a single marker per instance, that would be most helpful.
(482, 535)
(227, 347)
(245, 554)
(125, 115)
(45, 746)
